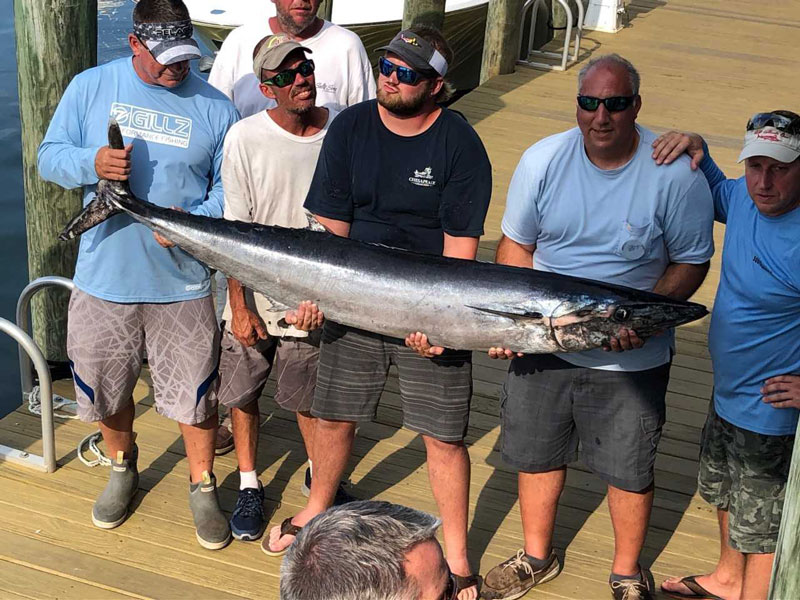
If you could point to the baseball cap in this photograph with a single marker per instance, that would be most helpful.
(417, 52)
(775, 134)
(273, 51)
(168, 42)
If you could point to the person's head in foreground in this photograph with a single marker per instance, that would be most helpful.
(771, 156)
(367, 550)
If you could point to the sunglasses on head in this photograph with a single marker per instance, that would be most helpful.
(780, 122)
(404, 74)
(613, 104)
(287, 76)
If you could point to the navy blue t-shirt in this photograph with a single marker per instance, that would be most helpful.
(402, 191)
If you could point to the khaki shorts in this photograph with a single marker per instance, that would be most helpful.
(106, 343)
(244, 370)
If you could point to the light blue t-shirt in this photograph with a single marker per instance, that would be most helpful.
(177, 137)
(622, 226)
(755, 325)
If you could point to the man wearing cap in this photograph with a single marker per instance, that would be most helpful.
(133, 294)
(268, 164)
(754, 341)
(403, 172)
(343, 71)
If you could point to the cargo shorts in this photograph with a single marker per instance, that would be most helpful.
(745, 473)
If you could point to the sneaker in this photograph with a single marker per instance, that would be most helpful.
(634, 589)
(224, 440)
(111, 507)
(248, 519)
(514, 577)
(211, 525)
(342, 495)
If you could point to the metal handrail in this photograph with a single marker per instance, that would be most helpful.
(567, 37)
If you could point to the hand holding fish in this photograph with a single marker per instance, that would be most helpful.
(247, 327)
(671, 145)
(503, 353)
(626, 340)
(782, 391)
(307, 317)
(113, 164)
(418, 342)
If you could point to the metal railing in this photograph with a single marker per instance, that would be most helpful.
(564, 55)
(31, 357)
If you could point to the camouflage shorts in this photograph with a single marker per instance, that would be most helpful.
(745, 473)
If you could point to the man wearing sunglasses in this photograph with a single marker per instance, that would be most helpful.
(754, 342)
(268, 164)
(132, 294)
(590, 202)
(368, 550)
(404, 172)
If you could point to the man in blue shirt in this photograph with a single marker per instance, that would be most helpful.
(754, 341)
(136, 292)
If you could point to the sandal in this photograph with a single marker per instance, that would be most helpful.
(287, 528)
(698, 591)
(466, 582)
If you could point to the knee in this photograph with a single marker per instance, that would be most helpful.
(441, 447)
(335, 427)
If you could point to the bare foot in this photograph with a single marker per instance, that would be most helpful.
(461, 567)
(279, 543)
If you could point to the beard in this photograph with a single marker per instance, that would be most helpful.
(404, 107)
(292, 27)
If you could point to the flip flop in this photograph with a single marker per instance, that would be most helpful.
(466, 582)
(698, 591)
(287, 528)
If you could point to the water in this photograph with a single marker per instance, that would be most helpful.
(114, 18)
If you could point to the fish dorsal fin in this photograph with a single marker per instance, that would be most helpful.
(510, 312)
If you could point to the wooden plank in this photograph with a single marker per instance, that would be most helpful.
(33, 583)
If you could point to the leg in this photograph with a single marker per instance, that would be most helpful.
(538, 502)
(630, 514)
(117, 431)
(757, 573)
(448, 473)
(245, 435)
(307, 424)
(199, 443)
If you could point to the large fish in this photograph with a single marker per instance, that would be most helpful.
(460, 304)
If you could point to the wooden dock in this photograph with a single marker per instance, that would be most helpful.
(705, 67)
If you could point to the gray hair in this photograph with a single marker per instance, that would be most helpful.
(611, 59)
(356, 550)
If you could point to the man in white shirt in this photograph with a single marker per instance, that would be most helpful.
(343, 71)
(267, 167)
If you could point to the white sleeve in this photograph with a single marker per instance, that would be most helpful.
(361, 79)
(222, 72)
(238, 203)
(521, 218)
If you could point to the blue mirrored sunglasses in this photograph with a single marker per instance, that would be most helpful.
(404, 74)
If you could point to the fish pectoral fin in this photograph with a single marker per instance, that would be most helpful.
(518, 314)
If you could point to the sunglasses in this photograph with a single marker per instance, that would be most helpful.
(404, 74)
(780, 122)
(288, 76)
(613, 104)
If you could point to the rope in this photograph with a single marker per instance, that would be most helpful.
(90, 441)
(68, 407)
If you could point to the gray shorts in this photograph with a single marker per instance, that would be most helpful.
(106, 343)
(353, 367)
(243, 370)
(745, 473)
(549, 408)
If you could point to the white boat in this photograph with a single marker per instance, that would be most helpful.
(375, 21)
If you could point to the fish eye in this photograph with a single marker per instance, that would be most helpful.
(621, 314)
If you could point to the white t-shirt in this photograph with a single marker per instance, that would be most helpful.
(342, 69)
(622, 226)
(266, 173)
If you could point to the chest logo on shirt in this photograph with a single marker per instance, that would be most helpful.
(152, 126)
(423, 178)
(328, 88)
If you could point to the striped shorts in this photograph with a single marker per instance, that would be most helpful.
(106, 343)
(435, 392)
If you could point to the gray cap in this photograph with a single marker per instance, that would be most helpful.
(170, 42)
(417, 52)
(273, 52)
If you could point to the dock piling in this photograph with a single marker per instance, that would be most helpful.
(501, 45)
(785, 580)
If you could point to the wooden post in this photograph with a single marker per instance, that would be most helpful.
(325, 10)
(785, 582)
(56, 39)
(501, 44)
(423, 12)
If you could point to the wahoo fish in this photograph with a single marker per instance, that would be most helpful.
(461, 304)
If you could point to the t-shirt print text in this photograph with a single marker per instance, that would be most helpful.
(423, 178)
(151, 125)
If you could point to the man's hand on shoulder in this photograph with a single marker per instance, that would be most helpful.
(418, 342)
(626, 340)
(113, 164)
(307, 317)
(669, 146)
(782, 391)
